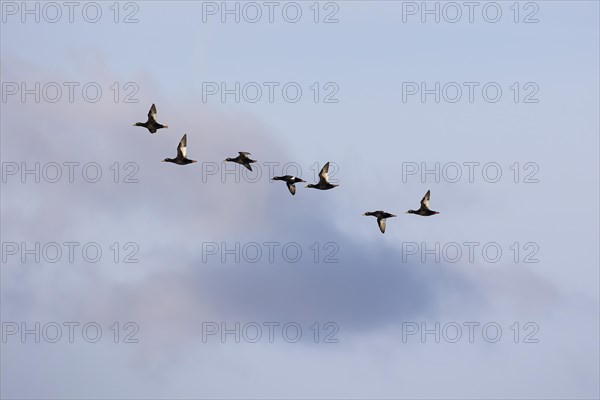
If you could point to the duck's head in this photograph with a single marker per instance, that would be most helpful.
(310, 185)
(167, 160)
(229, 159)
(368, 213)
(138, 124)
(410, 212)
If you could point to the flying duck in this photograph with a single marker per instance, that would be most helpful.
(289, 181)
(242, 159)
(381, 216)
(181, 158)
(424, 210)
(323, 180)
(151, 124)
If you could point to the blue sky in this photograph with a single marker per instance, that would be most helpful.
(171, 213)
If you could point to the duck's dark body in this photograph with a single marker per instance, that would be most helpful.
(289, 181)
(151, 123)
(321, 186)
(424, 213)
(424, 210)
(381, 216)
(242, 159)
(323, 183)
(179, 161)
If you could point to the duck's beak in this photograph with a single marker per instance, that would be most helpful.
(194, 161)
(406, 212)
(394, 215)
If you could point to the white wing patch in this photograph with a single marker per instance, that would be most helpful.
(183, 146)
(292, 188)
(152, 113)
(425, 200)
(381, 223)
(324, 174)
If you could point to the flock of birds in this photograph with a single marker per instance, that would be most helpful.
(152, 125)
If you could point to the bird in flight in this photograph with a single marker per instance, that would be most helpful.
(381, 217)
(242, 159)
(151, 124)
(323, 180)
(289, 181)
(424, 210)
(181, 158)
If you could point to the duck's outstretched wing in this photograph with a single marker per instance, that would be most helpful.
(425, 200)
(182, 147)
(152, 113)
(291, 187)
(324, 174)
(381, 223)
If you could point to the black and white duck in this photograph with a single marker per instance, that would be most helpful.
(424, 210)
(323, 180)
(289, 181)
(381, 217)
(151, 124)
(242, 159)
(181, 158)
